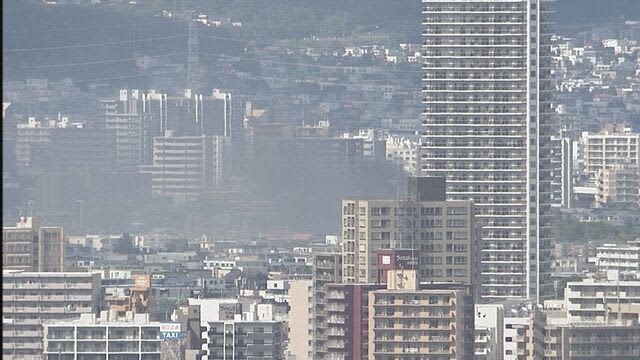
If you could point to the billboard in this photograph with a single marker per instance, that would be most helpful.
(396, 259)
(169, 331)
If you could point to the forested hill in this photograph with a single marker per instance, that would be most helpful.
(58, 30)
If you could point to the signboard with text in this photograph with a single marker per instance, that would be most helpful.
(169, 331)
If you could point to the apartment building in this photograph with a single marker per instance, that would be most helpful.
(624, 258)
(301, 320)
(347, 321)
(562, 171)
(244, 340)
(131, 337)
(136, 117)
(603, 342)
(186, 167)
(442, 314)
(618, 187)
(603, 301)
(220, 114)
(30, 246)
(31, 299)
(91, 337)
(327, 269)
(566, 340)
(63, 146)
(487, 124)
(614, 145)
(404, 152)
(524, 329)
(489, 331)
(444, 232)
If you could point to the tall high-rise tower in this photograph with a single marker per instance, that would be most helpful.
(487, 126)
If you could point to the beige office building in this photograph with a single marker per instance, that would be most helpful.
(30, 299)
(408, 321)
(442, 232)
(29, 246)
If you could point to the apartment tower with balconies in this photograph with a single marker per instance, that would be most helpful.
(487, 124)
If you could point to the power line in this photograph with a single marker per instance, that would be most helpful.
(216, 37)
(220, 56)
(93, 45)
(304, 64)
(99, 62)
(132, 76)
(81, 28)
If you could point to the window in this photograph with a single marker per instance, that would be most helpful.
(456, 223)
(431, 211)
(456, 211)
(433, 223)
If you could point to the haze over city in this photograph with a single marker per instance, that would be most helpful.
(361, 179)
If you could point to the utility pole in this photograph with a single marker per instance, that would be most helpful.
(193, 76)
(81, 202)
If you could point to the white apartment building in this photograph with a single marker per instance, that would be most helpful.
(489, 332)
(30, 299)
(244, 340)
(487, 126)
(619, 258)
(404, 152)
(604, 301)
(185, 167)
(34, 133)
(136, 117)
(615, 145)
(89, 338)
